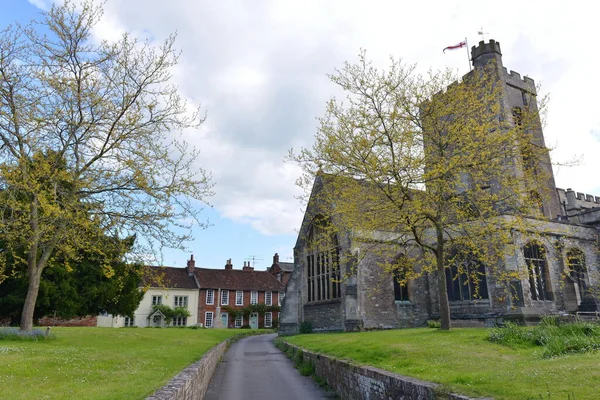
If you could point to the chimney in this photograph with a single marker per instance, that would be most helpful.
(229, 265)
(276, 259)
(247, 267)
(191, 265)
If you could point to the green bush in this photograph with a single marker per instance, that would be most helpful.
(555, 337)
(33, 335)
(306, 327)
(434, 323)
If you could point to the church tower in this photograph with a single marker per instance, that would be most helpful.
(518, 97)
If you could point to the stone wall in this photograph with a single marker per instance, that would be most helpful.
(359, 382)
(78, 321)
(192, 382)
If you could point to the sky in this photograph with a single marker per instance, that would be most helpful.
(259, 70)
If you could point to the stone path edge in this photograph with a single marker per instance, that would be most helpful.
(350, 381)
(193, 381)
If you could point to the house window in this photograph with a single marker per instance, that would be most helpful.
(322, 262)
(577, 271)
(465, 276)
(280, 297)
(180, 321)
(254, 297)
(225, 297)
(239, 298)
(539, 284)
(239, 321)
(128, 322)
(181, 301)
(208, 319)
(269, 298)
(268, 320)
(156, 300)
(210, 296)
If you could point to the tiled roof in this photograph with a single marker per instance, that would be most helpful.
(238, 280)
(286, 266)
(169, 277)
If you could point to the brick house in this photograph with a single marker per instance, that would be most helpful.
(235, 298)
(281, 270)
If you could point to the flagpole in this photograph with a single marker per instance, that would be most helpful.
(468, 57)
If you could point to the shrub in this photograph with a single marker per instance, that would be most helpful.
(434, 323)
(306, 327)
(32, 335)
(557, 338)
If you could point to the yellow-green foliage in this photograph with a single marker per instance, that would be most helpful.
(417, 164)
(88, 143)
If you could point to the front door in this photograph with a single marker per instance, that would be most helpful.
(254, 321)
(224, 320)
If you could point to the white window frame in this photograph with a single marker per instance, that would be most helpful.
(210, 296)
(280, 297)
(128, 321)
(269, 298)
(225, 297)
(239, 297)
(239, 321)
(156, 300)
(179, 321)
(270, 319)
(180, 301)
(207, 319)
(254, 297)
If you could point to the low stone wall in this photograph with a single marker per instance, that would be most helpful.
(360, 382)
(192, 382)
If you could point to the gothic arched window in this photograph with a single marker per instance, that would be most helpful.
(465, 276)
(399, 269)
(537, 268)
(577, 270)
(322, 262)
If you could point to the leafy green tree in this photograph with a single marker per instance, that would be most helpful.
(420, 165)
(88, 145)
(77, 288)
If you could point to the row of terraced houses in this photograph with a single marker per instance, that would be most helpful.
(214, 298)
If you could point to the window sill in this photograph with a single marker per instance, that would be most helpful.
(319, 302)
(403, 303)
(480, 303)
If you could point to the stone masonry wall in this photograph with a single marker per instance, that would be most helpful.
(359, 382)
(192, 382)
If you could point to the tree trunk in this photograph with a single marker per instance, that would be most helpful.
(442, 290)
(34, 276)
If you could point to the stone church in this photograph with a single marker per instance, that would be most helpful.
(559, 275)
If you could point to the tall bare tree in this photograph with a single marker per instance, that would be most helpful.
(89, 142)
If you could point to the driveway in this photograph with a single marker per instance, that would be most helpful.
(253, 368)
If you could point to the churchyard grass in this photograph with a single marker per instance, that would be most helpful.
(101, 363)
(466, 362)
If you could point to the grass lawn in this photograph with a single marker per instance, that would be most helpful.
(465, 362)
(101, 363)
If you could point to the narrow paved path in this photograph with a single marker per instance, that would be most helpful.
(254, 369)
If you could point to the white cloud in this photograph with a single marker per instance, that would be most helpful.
(259, 69)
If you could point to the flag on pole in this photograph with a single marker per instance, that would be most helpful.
(456, 46)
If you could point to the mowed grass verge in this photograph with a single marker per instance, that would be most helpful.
(465, 362)
(101, 363)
